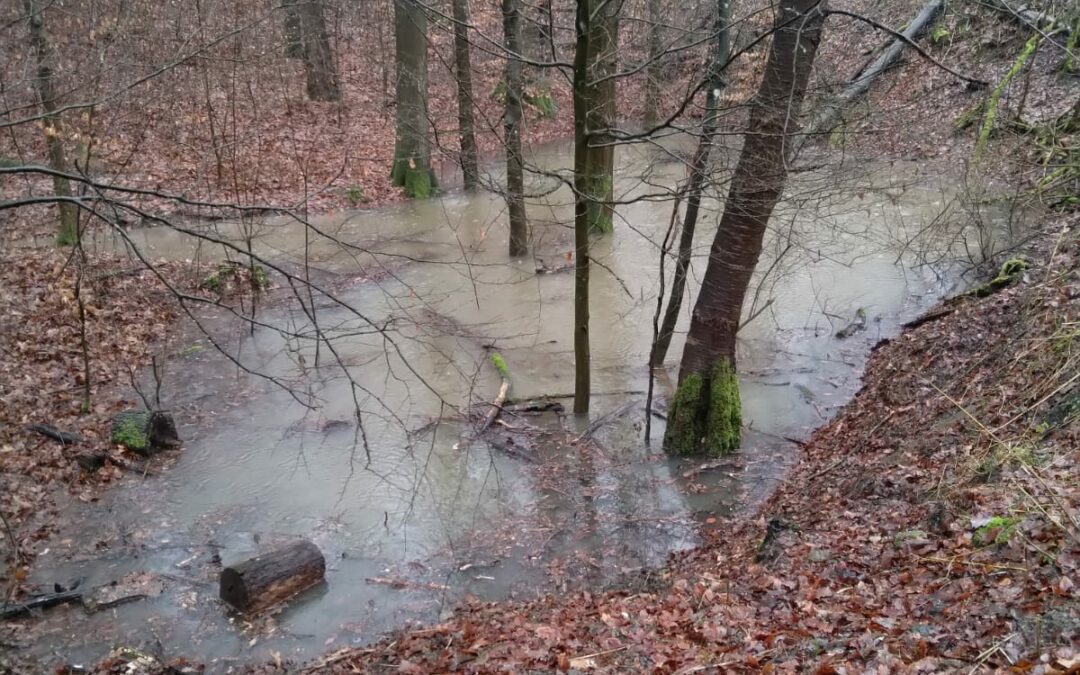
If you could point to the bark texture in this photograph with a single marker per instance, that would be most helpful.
(701, 414)
(319, 67)
(68, 233)
(602, 47)
(515, 178)
(582, 374)
(466, 123)
(272, 578)
(699, 166)
(412, 149)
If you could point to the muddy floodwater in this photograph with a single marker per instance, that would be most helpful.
(412, 511)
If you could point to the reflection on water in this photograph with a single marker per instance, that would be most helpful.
(429, 290)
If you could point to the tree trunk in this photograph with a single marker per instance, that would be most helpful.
(466, 124)
(603, 45)
(698, 167)
(412, 151)
(322, 80)
(705, 410)
(515, 180)
(273, 577)
(827, 118)
(582, 228)
(294, 33)
(68, 234)
(652, 71)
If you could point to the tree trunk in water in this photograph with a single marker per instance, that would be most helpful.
(322, 80)
(652, 71)
(412, 151)
(706, 409)
(603, 43)
(294, 33)
(466, 124)
(582, 100)
(515, 180)
(698, 167)
(68, 233)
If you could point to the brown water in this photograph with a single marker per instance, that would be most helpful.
(437, 509)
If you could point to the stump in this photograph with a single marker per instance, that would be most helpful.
(143, 432)
(273, 577)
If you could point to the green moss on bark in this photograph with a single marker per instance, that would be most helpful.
(685, 422)
(724, 423)
(705, 415)
(419, 181)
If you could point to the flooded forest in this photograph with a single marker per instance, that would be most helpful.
(539, 336)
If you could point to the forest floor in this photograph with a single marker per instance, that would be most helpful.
(933, 524)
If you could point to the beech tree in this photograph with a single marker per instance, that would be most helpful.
(68, 234)
(705, 412)
(412, 148)
(322, 80)
(463, 73)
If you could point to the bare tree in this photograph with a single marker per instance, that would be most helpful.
(706, 409)
(463, 71)
(515, 179)
(68, 234)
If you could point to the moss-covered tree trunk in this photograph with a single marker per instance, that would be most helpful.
(466, 123)
(603, 45)
(515, 179)
(705, 411)
(68, 233)
(412, 149)
(698, 174)
(319, 66)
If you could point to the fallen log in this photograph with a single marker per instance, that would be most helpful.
(41, 602)
(273, 577)
(49, 431)
(824, 121)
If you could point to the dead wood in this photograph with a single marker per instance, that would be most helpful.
(18, 609)
(273, 577)
(49, 431)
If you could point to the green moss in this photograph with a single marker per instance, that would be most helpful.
(685, 425)
(129, 430)
(995, 96)
(355, 195)
(938, 35)
(543, 102)
(599, 213)
(724, 422)
(217, 281)
(259, 278)
(969, 116)
(419, 181)
(500, 365)
(997, 530)
(1011, 270)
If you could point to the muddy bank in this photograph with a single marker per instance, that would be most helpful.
(932, 524)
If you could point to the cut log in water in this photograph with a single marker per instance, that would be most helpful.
(273, 577)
